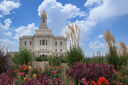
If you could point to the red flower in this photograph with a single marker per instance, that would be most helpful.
(71, 84)
(102, 80)
(20, 67)
(94, 83)
(91, 83)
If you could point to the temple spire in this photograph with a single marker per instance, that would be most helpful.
(43, 19)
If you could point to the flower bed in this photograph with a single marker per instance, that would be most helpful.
(90, 71)
(78, 74)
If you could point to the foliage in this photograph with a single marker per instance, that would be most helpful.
(6, 79)
(5, 62)
(24, 72)
(90, 71)
(53, 71)
(74, 55)
(23, 57)
(41, 59)
(42, 80)
(54, 61)
(121, 76)
(98, 59)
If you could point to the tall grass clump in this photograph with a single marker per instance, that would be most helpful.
(112, 57)
(124, 54)
(75, 53)
(5, 61)
(23, 57)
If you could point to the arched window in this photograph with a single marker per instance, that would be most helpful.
(43, 42)
(25, 43)
(60, 43)
(56, 43)
(46, 42)
(40, 42)
(43, 55)
(43, 19)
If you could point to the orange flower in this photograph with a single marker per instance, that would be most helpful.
(91, 83)
(102, 80)
(121, 78)
(114, 71)
(29, 63)
(20, 67)
(122, 67)
(14, 71)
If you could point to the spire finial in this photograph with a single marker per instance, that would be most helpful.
(44, 13)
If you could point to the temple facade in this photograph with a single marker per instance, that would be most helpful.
(43, 43)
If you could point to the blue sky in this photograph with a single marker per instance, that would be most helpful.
(22, 17)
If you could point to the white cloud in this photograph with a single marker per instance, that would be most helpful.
(10, 44)
(58, 14)
(9, 34)
(25, 30)
(92, 2)
(7, 23)
(100, 36)
(1, 16)
(96, 44)
(105, 9)
(6, 6)
(108, 9)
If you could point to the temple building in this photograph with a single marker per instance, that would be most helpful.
(43, 43)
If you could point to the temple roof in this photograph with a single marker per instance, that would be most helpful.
(44, 13)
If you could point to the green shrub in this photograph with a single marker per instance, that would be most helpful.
(123, 60)
(54, 61)
(75, 54)
(23, 57)
(94, 60)
(41, 59)
(63, 60)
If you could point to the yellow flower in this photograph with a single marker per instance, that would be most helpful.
(34, 75)
(30, 67)
(25, 78)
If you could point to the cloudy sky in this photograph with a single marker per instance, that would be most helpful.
(22, 17)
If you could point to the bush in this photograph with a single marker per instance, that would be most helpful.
(6, 79)
(23, 57)
(94, 60)
(90, 71)
(54, 61)
(5, 62)
(74, 55)
(41, 59)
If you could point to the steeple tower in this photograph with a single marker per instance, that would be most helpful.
(43, 19)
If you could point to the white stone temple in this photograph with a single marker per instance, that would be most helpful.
(43, 43)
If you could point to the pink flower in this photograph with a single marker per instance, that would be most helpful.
(22, 74)
(83, 81)
(29, 79)
(54, 72)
